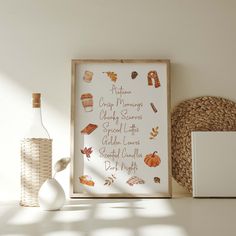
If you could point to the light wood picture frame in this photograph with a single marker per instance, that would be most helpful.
(120, 129)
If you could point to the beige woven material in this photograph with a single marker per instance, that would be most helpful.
(200, 114)
(36, 167)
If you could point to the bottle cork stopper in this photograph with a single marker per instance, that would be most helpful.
(36, 99)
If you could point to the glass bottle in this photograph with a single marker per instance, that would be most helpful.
(36, 156)
(36, 128)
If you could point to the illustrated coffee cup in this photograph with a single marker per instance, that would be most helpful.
(87, 101)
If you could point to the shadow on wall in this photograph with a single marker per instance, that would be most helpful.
(53, 84)
(16, 86)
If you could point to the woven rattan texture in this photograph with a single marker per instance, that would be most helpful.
(199, 114)
(36, 167)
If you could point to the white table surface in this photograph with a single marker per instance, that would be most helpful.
(123, 217)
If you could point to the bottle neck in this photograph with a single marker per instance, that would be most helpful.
(36, 128)
(37, 116)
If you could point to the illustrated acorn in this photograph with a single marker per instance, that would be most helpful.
(134, 74)
(152, 160)
(157, 180)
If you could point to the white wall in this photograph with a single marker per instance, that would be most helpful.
(38, 39)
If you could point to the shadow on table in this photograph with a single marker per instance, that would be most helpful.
(125, 217)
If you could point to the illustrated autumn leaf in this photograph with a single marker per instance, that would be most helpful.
(109, 180)
(87, 151)
(112, 75)
(154, 132)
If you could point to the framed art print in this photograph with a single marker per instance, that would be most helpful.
(120, 129)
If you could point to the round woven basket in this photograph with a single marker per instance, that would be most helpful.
(199, 114)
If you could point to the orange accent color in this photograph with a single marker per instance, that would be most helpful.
(152, 160)
(83, 180)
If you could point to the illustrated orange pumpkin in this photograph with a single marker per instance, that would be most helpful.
(152, 160)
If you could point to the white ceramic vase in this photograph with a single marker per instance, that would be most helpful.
(51, 195)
